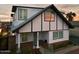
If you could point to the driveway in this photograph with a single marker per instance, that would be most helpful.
(68, 50)
(76, 51)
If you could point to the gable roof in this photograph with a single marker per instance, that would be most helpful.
(32, 18)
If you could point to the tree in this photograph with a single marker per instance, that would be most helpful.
(70, 16)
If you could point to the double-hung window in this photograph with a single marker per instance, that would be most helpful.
(22, 14)
(58, 35)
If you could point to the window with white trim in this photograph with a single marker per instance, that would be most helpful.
(57, 35)
(22, 14)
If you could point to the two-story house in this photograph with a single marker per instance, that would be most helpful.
(32, 25)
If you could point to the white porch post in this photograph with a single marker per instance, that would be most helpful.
(18, 42)
(50, 37)
(37, 40)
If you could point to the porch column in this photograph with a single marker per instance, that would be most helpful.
(50, 41)
(36, 43)
(37, 40)
(18, 42)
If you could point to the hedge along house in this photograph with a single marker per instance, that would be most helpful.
(33, 25)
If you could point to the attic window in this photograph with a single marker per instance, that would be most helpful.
(49, 16)
(22, 14)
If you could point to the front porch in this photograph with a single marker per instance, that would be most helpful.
(31, 40)
(45, 48)
(37, 41)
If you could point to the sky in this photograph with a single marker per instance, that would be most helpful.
(5, 9)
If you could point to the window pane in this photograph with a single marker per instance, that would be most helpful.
(55, 35)
(22, 14)
(24, 37)
(49, 15)
(60, 34)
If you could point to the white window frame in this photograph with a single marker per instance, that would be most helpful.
(20, 13)
(58, 35)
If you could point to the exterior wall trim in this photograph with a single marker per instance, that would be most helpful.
(41, 22)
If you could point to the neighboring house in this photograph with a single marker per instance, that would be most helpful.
(32, 25)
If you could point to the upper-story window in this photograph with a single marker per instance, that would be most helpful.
(49, 15)
(22, 14)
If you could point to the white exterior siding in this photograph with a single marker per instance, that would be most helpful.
(37, 24)
(45, 25)
(50, 40)
(46, 32)
(53, 24)
(65, 25)
(31, 12)
(59, 23)
(65, 36)
(26, 28)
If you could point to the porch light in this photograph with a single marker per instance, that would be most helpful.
(13, 34)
